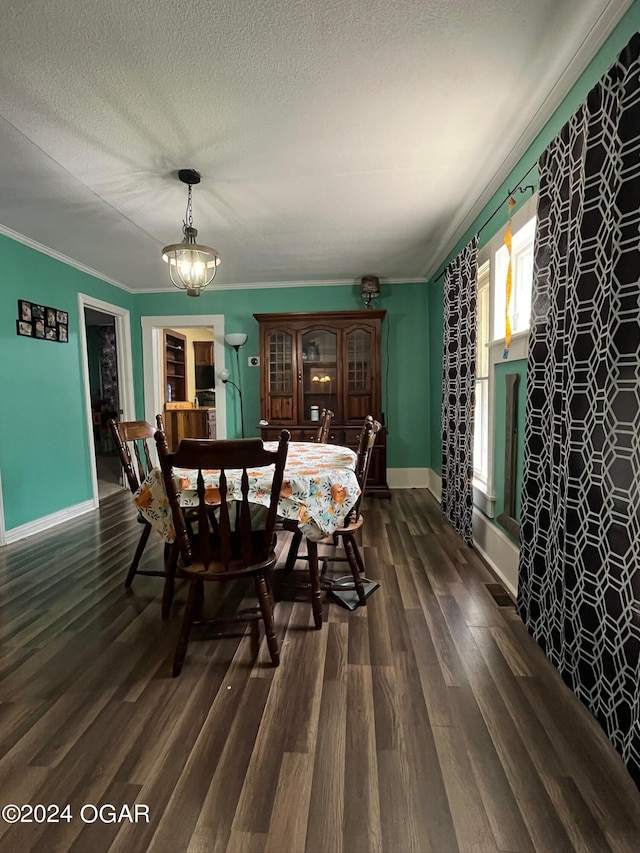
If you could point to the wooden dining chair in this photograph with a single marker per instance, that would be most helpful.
(346, 534)
(322, 435)
(234, 542)
(133, 436)
(354, 521)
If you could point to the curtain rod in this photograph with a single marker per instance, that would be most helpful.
(497, 210)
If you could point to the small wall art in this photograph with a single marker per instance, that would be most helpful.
(41, 321)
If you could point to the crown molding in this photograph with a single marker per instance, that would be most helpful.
(58, 256)
(266, 285)
(249, 285)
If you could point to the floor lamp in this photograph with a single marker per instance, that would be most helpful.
(235, 340)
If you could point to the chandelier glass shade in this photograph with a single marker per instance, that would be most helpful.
(192, 266)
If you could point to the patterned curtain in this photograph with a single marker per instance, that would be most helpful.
(579, 591)
(458, 389)
(108, 369)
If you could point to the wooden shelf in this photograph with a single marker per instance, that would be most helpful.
(175, 367)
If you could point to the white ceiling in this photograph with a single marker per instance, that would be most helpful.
(335, 139)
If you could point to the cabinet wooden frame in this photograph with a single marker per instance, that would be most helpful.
(337, 352)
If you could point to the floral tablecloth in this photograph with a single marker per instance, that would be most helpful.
(318, 490)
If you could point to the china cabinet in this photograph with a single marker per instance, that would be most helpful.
(328, 359)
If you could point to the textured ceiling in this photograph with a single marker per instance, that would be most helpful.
(334, 139)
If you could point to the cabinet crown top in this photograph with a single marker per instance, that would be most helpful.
(362, 314)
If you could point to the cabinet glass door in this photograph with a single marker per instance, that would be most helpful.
(319, 374)
(359, 397)
(280, 377)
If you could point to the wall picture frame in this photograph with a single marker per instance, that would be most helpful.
(42, 321)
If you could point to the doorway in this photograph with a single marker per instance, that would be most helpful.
(106, 345)
(102, 361)
(155, 391)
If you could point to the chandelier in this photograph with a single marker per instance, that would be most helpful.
(192, 266)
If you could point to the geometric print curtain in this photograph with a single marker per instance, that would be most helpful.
(579, 573)
(108, 369)
(458, 389)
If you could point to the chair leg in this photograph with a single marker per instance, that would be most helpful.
(183, 640)
(314, 577)
(358, 556)
(142, 542)
(266, 606)
(355, 562)
(292, 554)
(197, 610)
(170, 566)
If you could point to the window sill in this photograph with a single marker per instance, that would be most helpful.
(519, 347)
(482, 499)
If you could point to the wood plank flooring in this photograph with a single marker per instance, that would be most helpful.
(427, 721)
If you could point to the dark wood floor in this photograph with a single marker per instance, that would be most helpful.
(428, 721)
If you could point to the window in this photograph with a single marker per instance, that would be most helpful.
(522, 278)
(493, 260)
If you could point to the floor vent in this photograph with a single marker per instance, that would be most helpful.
(499, 595)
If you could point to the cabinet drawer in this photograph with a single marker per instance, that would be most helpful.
(336, 436)
(273, 433)
(352, 436)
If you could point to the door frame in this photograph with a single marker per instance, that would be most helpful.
(124, 361)
(151, 358)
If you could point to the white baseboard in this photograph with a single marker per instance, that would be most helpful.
(491, 543)
(408, 478)
(497, 549)
(47, 521)
(435, 484)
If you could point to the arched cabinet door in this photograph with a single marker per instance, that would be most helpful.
(362, 374)
(279, 397)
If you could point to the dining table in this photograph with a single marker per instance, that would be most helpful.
(319, 489)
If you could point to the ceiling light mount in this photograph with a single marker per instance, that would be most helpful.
(192, 266)
(189, 176)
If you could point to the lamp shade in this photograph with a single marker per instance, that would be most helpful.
(192, 267)
(370, 286)
(236, 339)
(369, 289)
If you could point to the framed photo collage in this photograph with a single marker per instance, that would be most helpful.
(41, 321)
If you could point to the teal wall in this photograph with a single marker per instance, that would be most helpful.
(435, 298)
(44, 451)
